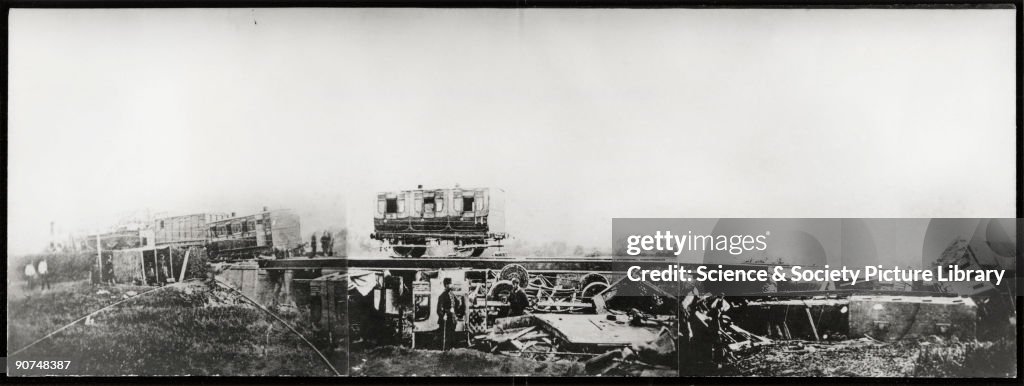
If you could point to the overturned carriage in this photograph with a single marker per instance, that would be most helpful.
(461, 222)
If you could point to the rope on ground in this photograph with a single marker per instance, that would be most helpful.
(94, 313)
(293, 330)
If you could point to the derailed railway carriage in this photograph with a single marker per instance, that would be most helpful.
(269, 232)
(466, 220)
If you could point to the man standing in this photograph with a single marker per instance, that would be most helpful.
(108, 271)
(44, 275)
(325, 243)
(30, 275)
(446, 305)
(165, 272)
(150, 276)
(312, 243)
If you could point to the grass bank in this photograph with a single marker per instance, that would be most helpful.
(188, 329)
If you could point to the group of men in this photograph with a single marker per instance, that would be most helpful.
(449, 306)
(38, 272)
(326, 244)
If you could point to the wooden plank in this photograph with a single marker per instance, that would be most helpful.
(184, 266)
(532, 335)
(811, 321)
(502, 338)
(519, 346)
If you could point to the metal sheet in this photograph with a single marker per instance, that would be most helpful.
(596, 330)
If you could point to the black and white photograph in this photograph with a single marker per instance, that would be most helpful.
(469, 192)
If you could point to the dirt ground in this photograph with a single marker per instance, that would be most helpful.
(185, 329)
(926, 358)
(401, 361)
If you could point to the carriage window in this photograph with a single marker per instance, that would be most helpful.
(428, 204)
(439, 204)
(467, 204)
(245, 227)
(392, 205)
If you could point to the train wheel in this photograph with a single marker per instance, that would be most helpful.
(593, 277)
(418, 251)
(401, 251)
(501, 290)
(593, 289)
(514, 272)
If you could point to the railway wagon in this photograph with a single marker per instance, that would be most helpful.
(184, 231)
(270, 232)
(469, 219)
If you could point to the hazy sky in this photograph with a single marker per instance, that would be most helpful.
(580, 115)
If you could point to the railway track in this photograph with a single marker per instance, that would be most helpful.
(545, 264)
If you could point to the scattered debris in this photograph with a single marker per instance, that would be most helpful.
(621, 340)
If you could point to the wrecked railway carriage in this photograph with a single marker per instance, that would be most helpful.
(616, 326)
(878, 316)
(593, 316)
(270, 232)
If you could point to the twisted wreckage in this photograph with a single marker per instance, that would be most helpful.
(622, 327)
(586, 309)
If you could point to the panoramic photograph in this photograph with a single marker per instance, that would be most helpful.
(412, 192)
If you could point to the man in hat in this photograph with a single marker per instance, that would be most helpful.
(446, 305)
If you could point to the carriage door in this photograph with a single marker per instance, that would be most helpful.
(456, 203)
(481, 203)
(417, 204)
(261, 228)
(440, 197)
(468, 203)
(429, 205)
(403, 211)
(390, 206)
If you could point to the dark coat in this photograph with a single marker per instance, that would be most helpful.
(517, 302)
(445, 305)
